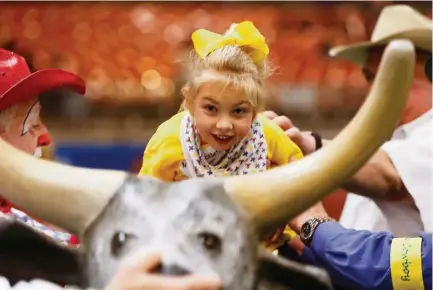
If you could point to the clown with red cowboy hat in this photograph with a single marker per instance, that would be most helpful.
(20, 122)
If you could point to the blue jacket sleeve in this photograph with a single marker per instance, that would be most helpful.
(360, 259)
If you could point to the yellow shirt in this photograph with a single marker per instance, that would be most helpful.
(163, 155)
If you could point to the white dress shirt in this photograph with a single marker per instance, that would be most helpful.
(411, 151)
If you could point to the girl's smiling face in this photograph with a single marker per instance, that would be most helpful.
(222, 113)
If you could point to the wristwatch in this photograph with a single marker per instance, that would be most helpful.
(310, 226)
(317, 140)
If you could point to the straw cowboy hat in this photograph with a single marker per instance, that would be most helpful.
(395, 22)
(17, 84)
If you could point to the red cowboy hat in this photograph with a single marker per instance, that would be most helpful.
(17, 84)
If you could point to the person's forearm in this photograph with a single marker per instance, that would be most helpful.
(376, 179)
(362, 259)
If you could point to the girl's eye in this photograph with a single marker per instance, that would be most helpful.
(210, 108)
(240, 111)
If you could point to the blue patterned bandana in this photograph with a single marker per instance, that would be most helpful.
(249, 156)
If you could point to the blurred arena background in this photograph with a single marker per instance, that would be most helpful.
(132, 56)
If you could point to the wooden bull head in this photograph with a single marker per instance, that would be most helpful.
(205, 225)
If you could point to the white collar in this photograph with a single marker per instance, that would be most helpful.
(405, 130)
(38, 152)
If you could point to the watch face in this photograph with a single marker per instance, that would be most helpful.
(306, 230)
(310, 226)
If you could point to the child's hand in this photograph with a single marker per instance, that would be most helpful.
(279, 237)
(274, 238)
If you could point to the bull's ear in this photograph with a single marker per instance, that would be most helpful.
(26, 254)
(278, 273)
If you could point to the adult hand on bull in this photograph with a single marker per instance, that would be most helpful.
(303, 139)
(137, 273)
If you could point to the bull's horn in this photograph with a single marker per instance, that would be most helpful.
(276, 196)
(65, 196)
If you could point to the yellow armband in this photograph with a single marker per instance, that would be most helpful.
(406, 264)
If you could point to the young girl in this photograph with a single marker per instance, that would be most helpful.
(220, 132)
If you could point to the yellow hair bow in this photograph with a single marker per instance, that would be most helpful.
(242, 34)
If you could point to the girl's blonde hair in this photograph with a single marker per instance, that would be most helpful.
(232, 65)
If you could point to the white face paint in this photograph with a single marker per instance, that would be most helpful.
(32, 118)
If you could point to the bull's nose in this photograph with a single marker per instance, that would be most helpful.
(172, 270)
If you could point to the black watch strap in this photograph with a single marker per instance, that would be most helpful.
(309, 228)
(318, 140)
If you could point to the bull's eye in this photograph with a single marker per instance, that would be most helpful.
(210, 241)
(118, 242)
